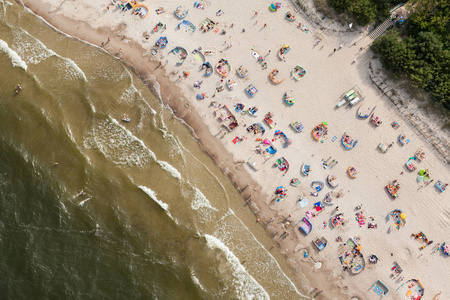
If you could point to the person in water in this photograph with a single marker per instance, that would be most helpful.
(18, 88)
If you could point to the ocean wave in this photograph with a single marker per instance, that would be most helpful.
(129, 94)
(200, 201)
(70, 69)
(246, 286)
(170, 169)
(152, 196)
(31, 49)
(197, 281)
(118, 144)
(16, 60)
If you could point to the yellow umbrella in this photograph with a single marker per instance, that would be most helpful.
(403, 216)
(358, 248)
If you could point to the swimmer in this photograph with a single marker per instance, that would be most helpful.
(85, 200)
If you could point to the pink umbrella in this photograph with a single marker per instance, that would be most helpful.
(266, 141)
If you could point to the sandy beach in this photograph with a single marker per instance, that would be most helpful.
(244, 33)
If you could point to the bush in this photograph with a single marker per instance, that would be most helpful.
(423, 58)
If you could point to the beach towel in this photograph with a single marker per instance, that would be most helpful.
(310, 214)
(377, 290)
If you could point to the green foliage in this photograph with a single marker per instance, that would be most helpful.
(431, 15)
(364, 11)
(423, 58)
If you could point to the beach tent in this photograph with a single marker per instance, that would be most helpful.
(188, 25)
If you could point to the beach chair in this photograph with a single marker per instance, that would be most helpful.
(342, 102)
(354, 101)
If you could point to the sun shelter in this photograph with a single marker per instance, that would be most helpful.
(269, 120)
(320, 243)
(282, 164)
(223, 67)
(251, 90)
(252, 163)
(306, 227)
(287, 141)
(182, 52)
(207, 25)
(348, 142)
(399, 218)
(271, 150)
(162, 42)
(188, 25)
(380, 289)
(141, 10)
(412, 289)
(181, 12)
(320, 130)
(227, 117)
(256, 128)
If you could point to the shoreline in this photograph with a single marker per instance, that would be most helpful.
(234, 169)
(247, 187)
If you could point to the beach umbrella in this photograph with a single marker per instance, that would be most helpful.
(273, 7)
(325, 123)
(358, 248)
(403, 216)
(200, 96)
(266, 141)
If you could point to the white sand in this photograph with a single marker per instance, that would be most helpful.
(328, 76)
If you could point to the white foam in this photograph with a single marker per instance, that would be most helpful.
(246, 286)
(200, 201)
(231, 212)
(16, 60)
(133, 137)
(118, 144)
(128, 94)
(70, 69)
(152, 196)
(196, 280)
(170, 169)
(32, 50)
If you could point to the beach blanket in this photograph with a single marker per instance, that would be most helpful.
(310, 214)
